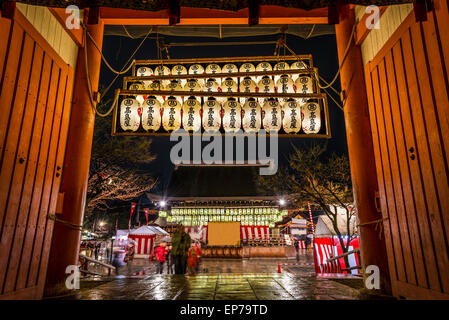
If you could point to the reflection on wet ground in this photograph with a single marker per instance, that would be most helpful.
(219, 279)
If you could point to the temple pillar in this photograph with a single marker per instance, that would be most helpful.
(66, 238)
(360, 148)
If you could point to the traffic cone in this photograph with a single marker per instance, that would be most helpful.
(279, 268)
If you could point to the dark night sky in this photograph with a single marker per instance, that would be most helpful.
(323, 49)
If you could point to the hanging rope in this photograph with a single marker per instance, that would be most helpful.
(378, 227)
(118, 73)
(342, 60)
(66, 223)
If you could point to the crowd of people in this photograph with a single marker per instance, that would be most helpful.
(183, 254)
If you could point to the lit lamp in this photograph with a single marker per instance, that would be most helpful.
(163, 71)
(291, 118)
(230, 68)
(266, 85)
(285, 85)
(298, 65)
(263, 67)
(156, 85)
(248, 67)
(271, 116)
(151, 114)
(171, 115)
(228, 85)
(247, 85)
(192, 85)
(179, 70)
(138, 86)
(280, 66)
(311, 122)
(191, 115)
(175, 85)
(212, 86)
(145, 72)
(232, 119)
(304, 84)
(214, 68)
(130, 114)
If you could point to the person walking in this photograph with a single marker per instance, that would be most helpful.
(161, 254)
(192, 260)
(170, 260)
(198, 255)
(181, 243)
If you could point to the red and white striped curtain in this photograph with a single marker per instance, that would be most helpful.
(144, 244)
(254, 232)
(324, 248)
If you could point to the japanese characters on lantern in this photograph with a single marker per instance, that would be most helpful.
(171, 114)
(130, 111)
(285, 85)
(151, 114)
(271, 115)
(262, 67)
(247, 85)
(231, 68)
(162, 71)
(304, 84)
(191, 115)
(179, 69)
(311, 122)
(145, 72)
(214, 68)
(291, 119)
(211, 116)
(232, 116)
(252, 119)
(297, 65)
(157, 86)
(280, 66)
(265, 85)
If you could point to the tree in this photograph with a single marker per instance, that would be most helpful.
(118, 170)
(323, 180)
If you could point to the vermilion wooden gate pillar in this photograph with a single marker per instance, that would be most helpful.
(360, 147)
(66, 238)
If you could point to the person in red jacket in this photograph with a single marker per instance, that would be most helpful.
(161, 255)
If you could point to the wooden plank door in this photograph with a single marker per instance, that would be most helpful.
(35, 94)
(407, 84)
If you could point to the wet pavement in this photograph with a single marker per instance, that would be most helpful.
(220, 279)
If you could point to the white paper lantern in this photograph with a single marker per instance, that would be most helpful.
(212, 86)
(311, 122)
(137, 86)
(280, 66)
(214, 68)
(151, 114)
(171, 114)
(285, 85)
(130, 111)
(304, 84)
(211, 116)
(175, 85)
(230, 68)
(157, 86)
(263, 66)
(163, 71)
(228, 85)
(271, 116)
(145, 72)
(192, 85)
(179, 70)
(248, 67)
(298, 65)
(232, 117)
(291, 119)
(266, 84)
(191, 115)
(247, 85)
(252, 116)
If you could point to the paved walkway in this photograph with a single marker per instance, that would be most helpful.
(255, 279)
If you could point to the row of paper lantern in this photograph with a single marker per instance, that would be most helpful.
(211, 116)
(233, 211)
(214, 68)
(205, 223)
(285, 84)
(263, 220)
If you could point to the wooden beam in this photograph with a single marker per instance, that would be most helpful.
(362, 31)
(174, 13)
(200, 16)
(61, 16)
(7, 9)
